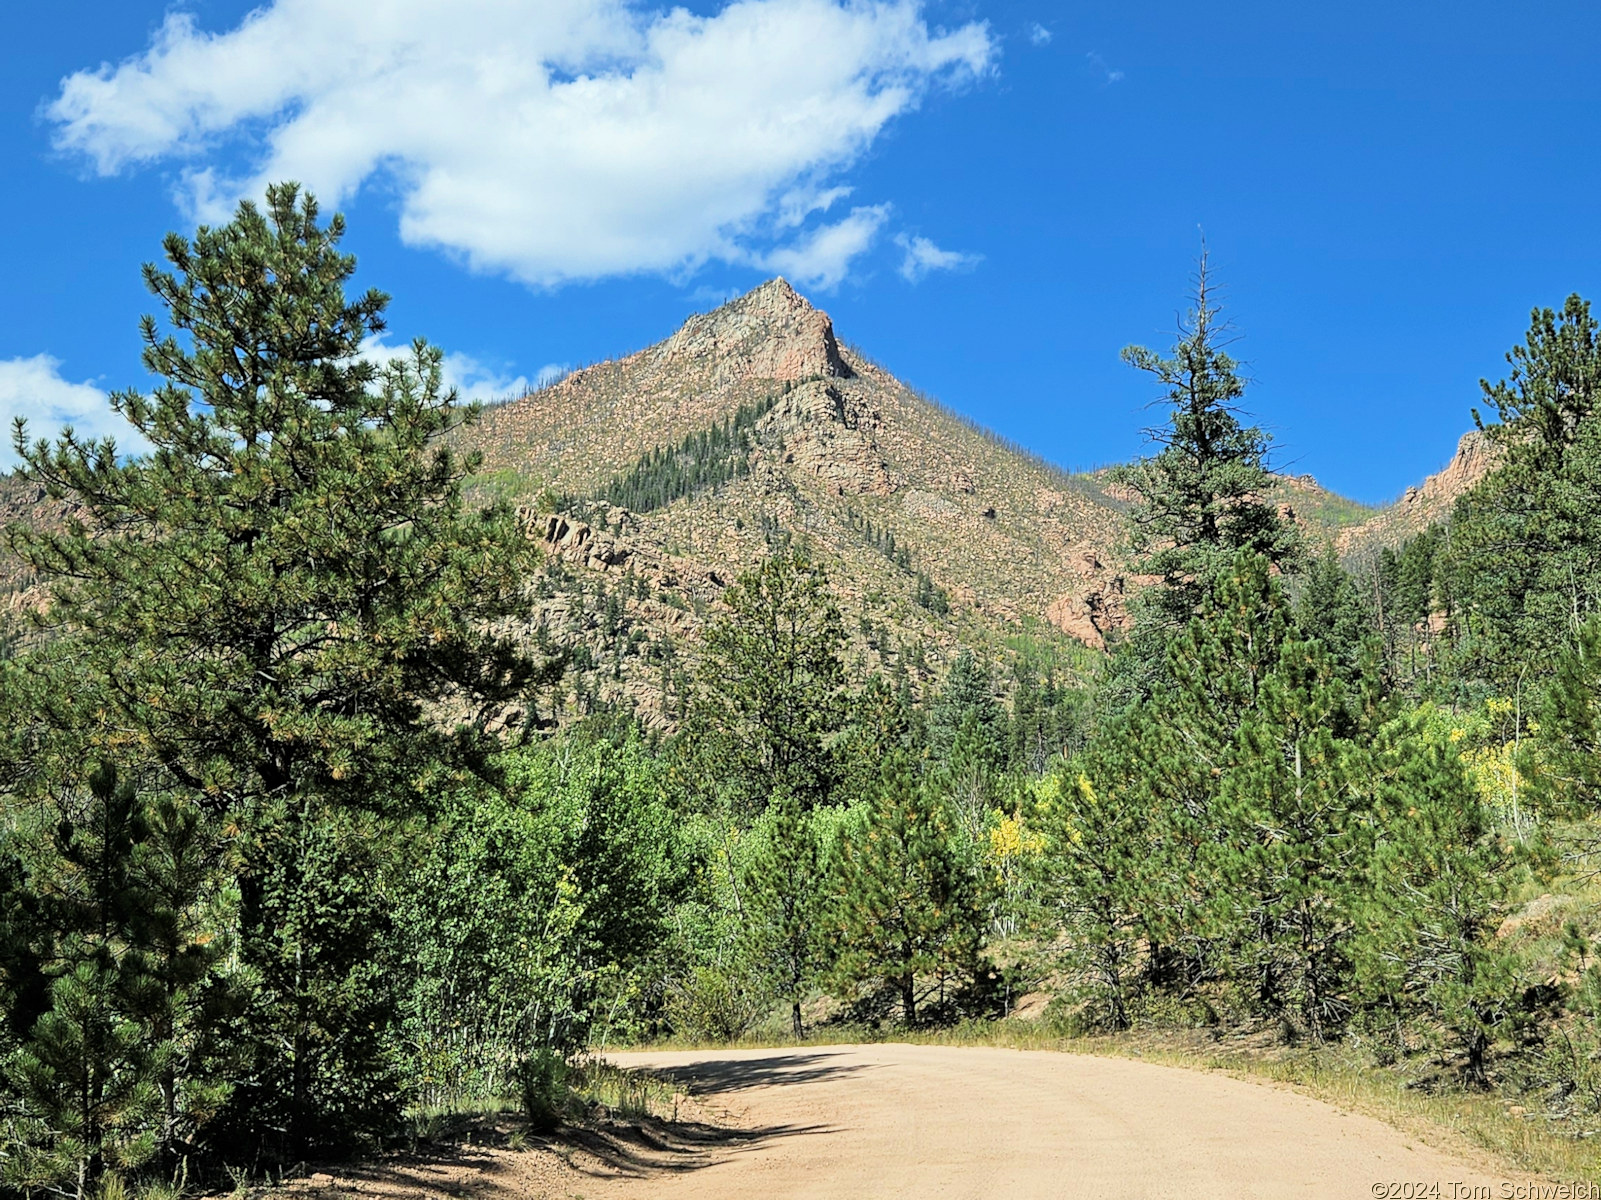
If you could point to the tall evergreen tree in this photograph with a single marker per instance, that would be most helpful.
(967, 700)
(1330, 609)
(120, 1066)
(1295, 815)
(1203, 495)
(1526, 541)
(322, 1068)
(1098, 858)
(771, 691)
(909, 910)
(1432, 898)
(1568, 770)
(785, 896)
(287, 592)
(283, 612)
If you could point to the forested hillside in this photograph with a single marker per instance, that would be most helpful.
(368, 755)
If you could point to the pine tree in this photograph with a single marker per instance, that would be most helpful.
(87, 1071)
(1203, 496)
(784, 895)
(967, 699)
(1182, 744)
(771, 690)
(24, 946)
(1526, 541)
(1098, 859)
(183, 930)
(1568, 769)
(884, 719)
(322, 1068)
(1296, 817)
(1331, 610)
(909, 904)
(1432, 898)
(282, 595)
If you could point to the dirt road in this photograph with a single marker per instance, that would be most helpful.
(890, 1121)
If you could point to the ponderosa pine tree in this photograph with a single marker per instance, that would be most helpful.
(1204, 495)
(1176, 750)
(1432, 898)
(786, 902)
(287, 593)
(318, 1034)
(1330, 609)
(1567, 772)
(908, 912)
(1295, 817)
(120, 1067)
(283, 612)
(1098, 854)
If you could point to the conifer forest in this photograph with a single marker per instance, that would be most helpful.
(290, 848)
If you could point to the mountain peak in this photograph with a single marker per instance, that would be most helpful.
(771, 332)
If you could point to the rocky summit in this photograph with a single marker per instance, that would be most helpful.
(936, 534)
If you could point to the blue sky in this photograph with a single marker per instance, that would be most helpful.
(990, 198)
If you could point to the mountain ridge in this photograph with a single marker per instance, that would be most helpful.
(753, 425)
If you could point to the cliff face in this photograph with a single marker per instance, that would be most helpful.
(1425, 504)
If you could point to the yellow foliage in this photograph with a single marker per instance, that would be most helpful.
(1010, 840)
(1494, 773)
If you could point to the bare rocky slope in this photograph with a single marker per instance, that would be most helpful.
(1426, 504)
(936, 534)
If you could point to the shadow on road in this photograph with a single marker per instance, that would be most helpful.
(656, 1148)
(717, 1076)
(484, 1166)
(638, 1149)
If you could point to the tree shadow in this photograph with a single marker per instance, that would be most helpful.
(485, 1166)
(711, 1077)
(660, 1147)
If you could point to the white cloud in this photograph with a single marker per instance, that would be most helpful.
(472, 379)
(1098, 64)
(823, 257)
(552, 373)
(1038, 35)
(547, 139)
(34, 389)
(923, 256)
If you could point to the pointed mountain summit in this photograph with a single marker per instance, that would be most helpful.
(679, 466)
(573, 435)
(771, 332)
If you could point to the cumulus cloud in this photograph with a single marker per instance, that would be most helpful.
(33, 388)
(550, 140)
(1038, 35)
(474, 380)
(923, 256)
(823, 258)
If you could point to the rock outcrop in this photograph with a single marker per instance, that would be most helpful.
(1426, 504)
(769, 333)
